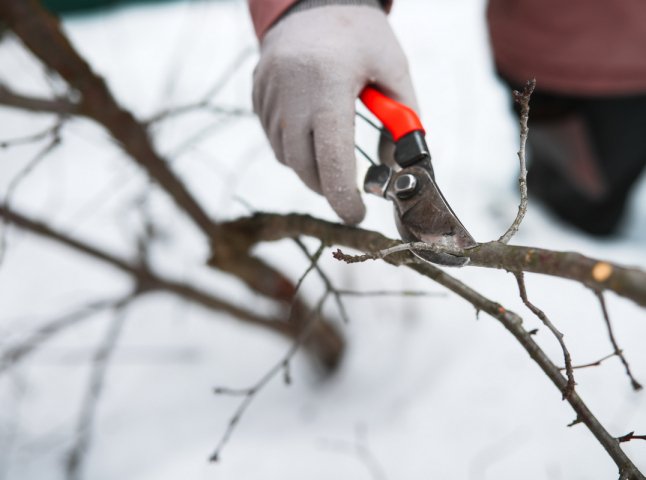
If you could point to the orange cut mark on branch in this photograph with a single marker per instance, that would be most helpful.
(601, 271)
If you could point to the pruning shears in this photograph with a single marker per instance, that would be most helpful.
(422, 214)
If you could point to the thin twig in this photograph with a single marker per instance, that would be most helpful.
(630, 436)
(390, 293)
(34, 137)
(21, 175)
(522, 98)
(9, 98)
(313, 263)
(282, 365)
(230, 71)
(520, 279)
(403, 247)
(200, 106)
(84, 429)
(326, 280)
(618, 351)
(361, 450)
(202, 134)
(340, 293)
(250, 393)
(591, 364)
(16, 353)
(204, 103)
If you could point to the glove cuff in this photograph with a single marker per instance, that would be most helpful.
(309, 4)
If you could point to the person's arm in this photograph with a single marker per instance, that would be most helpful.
(264, 13)
(315, 60)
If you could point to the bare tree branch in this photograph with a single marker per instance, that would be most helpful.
(270, 227)
(630, 436)
(522, 98)
(592, 364)
(274, 227)
(596, 274)
(618, 351)
(520, 278)
(204, 104)
(403, 247)
(33, 138)
(250, 393)
(22, 174)
(16, 353)
(40, 32)
(326, 347)
(200, 106)
(360, 449)
(8, 98)
(390, 293)
(326, 280)
(231, 242)
(84, 429)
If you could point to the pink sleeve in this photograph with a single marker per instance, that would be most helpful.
(265, 12)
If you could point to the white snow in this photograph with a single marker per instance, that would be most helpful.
(427, 389)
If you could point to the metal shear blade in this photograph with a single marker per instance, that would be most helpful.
(422, 214)
(421, 211)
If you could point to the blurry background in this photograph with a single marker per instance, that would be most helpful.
(425, 389)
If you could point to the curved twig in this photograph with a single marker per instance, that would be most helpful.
(522, 98)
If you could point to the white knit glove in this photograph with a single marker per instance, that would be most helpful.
(312, 67)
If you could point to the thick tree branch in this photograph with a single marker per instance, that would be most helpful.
(513, 323)
(596, 274)
(271, 227)
(325, 343)
(40, 32)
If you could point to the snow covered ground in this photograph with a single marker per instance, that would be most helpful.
(426, 390)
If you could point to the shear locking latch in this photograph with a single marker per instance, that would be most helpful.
(412, 149)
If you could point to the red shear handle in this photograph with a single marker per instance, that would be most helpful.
(398, 119)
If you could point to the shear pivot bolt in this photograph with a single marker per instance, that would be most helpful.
(405, 185)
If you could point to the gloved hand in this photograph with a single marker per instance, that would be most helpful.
(313, 65)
